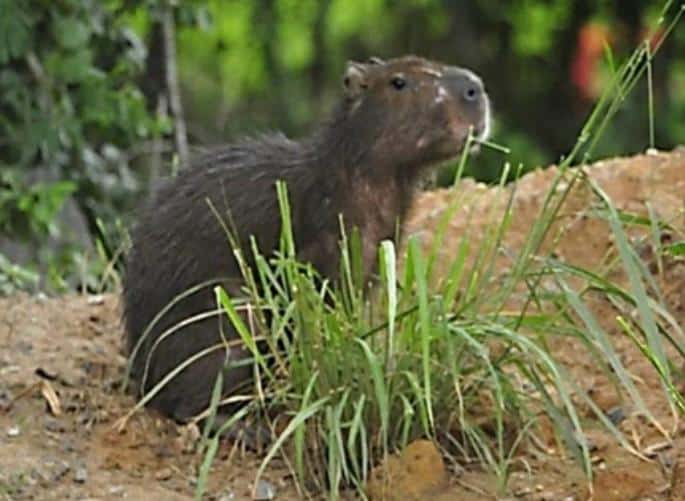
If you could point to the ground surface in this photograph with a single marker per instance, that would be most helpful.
(60, 366)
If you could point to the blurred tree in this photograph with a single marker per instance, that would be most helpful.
(86, 86)
(72, 120)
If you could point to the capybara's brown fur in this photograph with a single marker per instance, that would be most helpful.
(396, 118)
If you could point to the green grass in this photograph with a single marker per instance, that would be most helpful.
(447, 357)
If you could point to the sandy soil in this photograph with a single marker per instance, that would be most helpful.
(60, 369)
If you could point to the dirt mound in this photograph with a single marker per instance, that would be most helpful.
(60, 367)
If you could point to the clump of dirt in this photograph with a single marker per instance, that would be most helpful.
(61, 367)
(417, 473)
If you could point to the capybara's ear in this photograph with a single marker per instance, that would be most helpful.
(354, 81)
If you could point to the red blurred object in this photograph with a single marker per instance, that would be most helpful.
(584, 75)
(655, 38)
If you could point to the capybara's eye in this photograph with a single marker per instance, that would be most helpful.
(471, 93)
(398, 82)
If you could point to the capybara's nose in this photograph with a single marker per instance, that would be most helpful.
(464, 85)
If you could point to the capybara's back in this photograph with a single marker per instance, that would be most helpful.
(180, 251)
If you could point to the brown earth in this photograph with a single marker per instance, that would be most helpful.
(60, 367)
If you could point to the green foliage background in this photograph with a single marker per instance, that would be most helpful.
(82, 85)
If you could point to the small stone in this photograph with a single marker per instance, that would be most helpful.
(188, 438)
(13, 431)
(616, 415)
(117, 490)
(96, 300)
(666, 461)
(80, 475)
(227, 496)
(591, 445)
(522, 492)
(59, 469)
(68, 446)
(562, 186)
(6, 399)
(164, 474)
(52, 424)
(24, 347)
(264, 491)
(36, 476)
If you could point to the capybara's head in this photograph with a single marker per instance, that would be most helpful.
(414, 111)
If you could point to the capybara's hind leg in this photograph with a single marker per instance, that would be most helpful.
(189, 393)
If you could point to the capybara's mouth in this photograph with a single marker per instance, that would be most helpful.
(483, 129)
